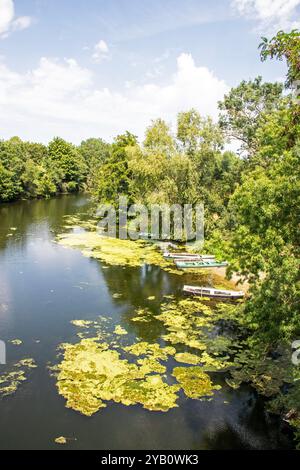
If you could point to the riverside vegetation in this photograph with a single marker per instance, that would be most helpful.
(251, 201)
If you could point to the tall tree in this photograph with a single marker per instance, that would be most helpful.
(243, 108)
(68, 164)
(158, 137)
(284, 46)
(113, 177)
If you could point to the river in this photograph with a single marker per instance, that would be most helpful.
(43, 287)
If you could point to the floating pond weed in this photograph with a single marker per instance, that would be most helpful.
(12, 379)
(115, 251)
(148, 349)
(187, 358)
(144, 315)
(266, 374)
(82, 323)
(16, 342)
(103, 367)
(91, 374)
(194, 382)
(119, 330)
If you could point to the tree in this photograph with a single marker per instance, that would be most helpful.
(147, 169)
(95, 153)
(68, 164)
(189, 130)
(8, 189)
(266, 244)
(243, 108)
(12, 159)
(158, 137)
(113, 177)
(198, 134)
(284, 46)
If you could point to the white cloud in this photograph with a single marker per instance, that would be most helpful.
(23, 22)
(8, 22)
(61, 98)
(101, 51)
(272, 15)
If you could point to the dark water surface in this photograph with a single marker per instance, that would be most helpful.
(43, 287)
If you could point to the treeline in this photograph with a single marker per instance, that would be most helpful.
(31, 170)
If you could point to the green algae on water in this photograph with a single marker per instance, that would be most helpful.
(183, 321)
(82, 323)
(101, 369)
(16, 342)
(91, 374)
(144, 315)
(150, 349)
(11, 380)
(117, 295)
(195, 383)
(120, 331)
(115, 251)
(152, 392)
(265, 374)
(187, 358)
(60, 440)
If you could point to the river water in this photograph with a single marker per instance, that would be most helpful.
(43, 287)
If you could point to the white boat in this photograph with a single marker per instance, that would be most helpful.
(215, 293)
(188, 256)
(201, 264)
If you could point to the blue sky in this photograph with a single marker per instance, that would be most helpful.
(80, 68)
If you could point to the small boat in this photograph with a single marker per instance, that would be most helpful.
(215, 293)
(188, 256)
(200, 264)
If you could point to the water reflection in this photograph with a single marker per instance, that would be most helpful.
(43, 287)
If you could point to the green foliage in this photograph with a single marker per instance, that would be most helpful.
(8, 189)
(284, 46)
(95, 153)
(158, 137)
(69, 164)
(243, 109)
(113, 177)
(30, 170)
(189, 130)
(266, 243)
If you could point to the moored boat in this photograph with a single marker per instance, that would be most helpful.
(188, 256)
(214, 293)
(200, 264)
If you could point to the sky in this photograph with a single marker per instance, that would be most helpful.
(95, 68)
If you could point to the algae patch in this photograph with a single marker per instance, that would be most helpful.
(13, 378)
(109, 368)
(150, 349)
(60, 440)
(119, 330)
(91, 375)
(194, 382)
(114, 251)
(183, 321)
(144, 315)
(187, 358)
(82, 323)
(16, 342)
